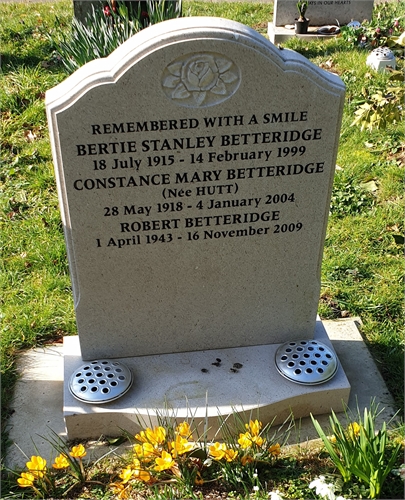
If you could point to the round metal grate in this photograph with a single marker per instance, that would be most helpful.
(307, 362)
(100, 381)
(354, 24)
(382, 53)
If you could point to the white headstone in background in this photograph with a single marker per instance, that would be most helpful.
(194, 168)
(323, 12)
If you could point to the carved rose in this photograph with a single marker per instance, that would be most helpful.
(198, 75)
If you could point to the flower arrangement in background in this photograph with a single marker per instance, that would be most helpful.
(106, 29)
(387, 21)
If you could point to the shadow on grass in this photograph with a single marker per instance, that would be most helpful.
(316, 48)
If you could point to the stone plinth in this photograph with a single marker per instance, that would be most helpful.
(178, 385)
(280, 34)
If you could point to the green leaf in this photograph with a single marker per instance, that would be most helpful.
(400, 40)
(328, 445)
(370, 186)
(116, 441)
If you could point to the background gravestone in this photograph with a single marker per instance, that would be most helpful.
(320, 13)
(82, 8)
(323, 12)
(195, 213)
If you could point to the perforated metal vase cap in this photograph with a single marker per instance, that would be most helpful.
(306, 362)
(100, 381)
(354, 24)
(380, 58)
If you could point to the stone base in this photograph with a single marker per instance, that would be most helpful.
(279, 34)
(175, 385)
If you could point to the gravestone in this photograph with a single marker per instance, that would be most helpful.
(194, 168)
(83, 8)
(320, 13)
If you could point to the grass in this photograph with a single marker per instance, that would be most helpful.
(256, 15)
(362, 272)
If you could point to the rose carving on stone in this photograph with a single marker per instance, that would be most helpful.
(200, 80)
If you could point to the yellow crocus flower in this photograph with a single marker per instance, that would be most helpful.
(275, 450)
(184, 430)
(26, 480)
(120, 490)
(134, 472)
(142, 475)
(149, 450)
(37, 466)
(145, 451)
(217, 450)
(136, 463)
(254, 427)
(245, 440)
(354, 429)
(141, 436)
(138, 450)
(61, 462)
(155, 436)
(164, 462)
(257, 440)
(246, 460)
(180, 446)
(230, 454)
(126, 474)
(139, 473)
(78, 451)
(198, 481)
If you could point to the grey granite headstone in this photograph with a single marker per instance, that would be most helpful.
(194, 168)
(323, 12)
